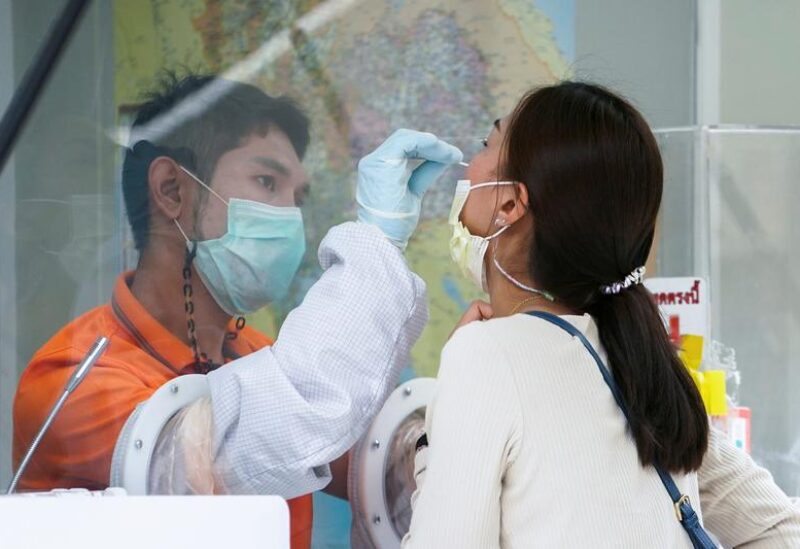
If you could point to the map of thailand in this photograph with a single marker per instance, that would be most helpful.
(449, 67)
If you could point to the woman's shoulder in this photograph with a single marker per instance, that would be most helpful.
(476, 376)
(518, 327)
(501, 343)
(479, 343)
(473, 354)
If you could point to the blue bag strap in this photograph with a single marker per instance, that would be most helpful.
(684, 512)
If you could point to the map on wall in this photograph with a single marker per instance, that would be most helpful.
(361, 69)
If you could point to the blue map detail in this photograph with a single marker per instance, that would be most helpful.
(562, 14)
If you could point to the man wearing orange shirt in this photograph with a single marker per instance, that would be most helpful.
(212, 184)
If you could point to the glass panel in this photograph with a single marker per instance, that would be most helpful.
(24, 26)
(731, 205)
(753, 179)
(678, 252)
(58, 192)
(358, 70)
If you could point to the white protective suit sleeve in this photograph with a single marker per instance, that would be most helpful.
(281, 414)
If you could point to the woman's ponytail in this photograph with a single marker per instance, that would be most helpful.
(667, 417)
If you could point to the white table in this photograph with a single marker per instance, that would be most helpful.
(144, 522)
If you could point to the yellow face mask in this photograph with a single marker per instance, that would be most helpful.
(468, 250)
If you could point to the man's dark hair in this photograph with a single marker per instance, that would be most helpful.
(196, 119)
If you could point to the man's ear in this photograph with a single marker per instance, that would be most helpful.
(168, 195)
(515, 204)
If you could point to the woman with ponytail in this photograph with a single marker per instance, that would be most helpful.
(529, 444)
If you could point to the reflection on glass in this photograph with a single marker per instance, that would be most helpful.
(358, 70)
(730, 211)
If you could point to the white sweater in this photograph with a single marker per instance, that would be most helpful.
(529, 449)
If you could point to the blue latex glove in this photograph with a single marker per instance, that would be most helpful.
(389, 193)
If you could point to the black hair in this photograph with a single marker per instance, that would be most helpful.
(594, 177)
(195, 119)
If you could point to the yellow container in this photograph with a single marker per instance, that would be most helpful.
(691, 351)
(700, 381)
(715, 400)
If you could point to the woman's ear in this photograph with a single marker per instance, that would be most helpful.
(168, 196)
(514, 205)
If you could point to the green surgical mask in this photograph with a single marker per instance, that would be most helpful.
(254, 262)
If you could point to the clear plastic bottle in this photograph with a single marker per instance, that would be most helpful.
(732, 418)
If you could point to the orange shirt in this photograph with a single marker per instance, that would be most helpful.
(141, 356)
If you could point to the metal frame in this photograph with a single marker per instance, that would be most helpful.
(29, 90)
(8, 265)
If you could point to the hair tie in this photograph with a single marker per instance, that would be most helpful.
(633, 279)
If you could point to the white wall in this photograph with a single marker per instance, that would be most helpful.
(760, 62)
(644, 49)
(748, 65)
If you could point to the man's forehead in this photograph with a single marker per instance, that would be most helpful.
(272, 163)
(273, 150)
(273, 142)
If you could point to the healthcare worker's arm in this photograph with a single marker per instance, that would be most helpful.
(473, 427)
(282, 414)
(741, 504)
